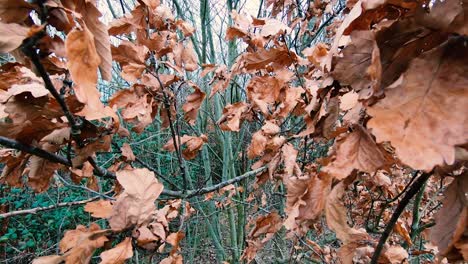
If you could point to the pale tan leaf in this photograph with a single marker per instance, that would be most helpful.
(425, 118)
(83, 62)
(79, 245)
(119, 253)
(136, 204)
(127, 152)
(52, 259)
(91, 17)
(99, 209)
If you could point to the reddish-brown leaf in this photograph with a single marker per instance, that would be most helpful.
(356, 150)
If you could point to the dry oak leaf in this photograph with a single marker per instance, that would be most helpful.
(231, 119)
(355, 241)
(192, 145)
(193, 103)
(274, 27)
(305, 198)
(12, 35)
(360, 65)
(127, 152)
(185, 27)
(136, 205)
(79, 245)
(42, 170)
(99, 209)
(449, 233)
(91, 15)
(424, 117)
(14, 11)
(119, 253)
(252, 61)
(356, 150)
(184, 55)
(317, 54)
(265, 228)
(394, 255)
(129, 52)
(52, 259)
(83, 62)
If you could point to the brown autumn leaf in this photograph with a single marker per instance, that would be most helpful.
(401, 229)
(193, 103)
(273, 27)
(136, 205)
(356, 150)
(231, 119)
(99, 209)
(91, 15)
(14, 11)
(424, 118)
(236, 32)
(127, 152)
(41, 170)
(82, 154)
(394, 255)
(452, 220)
(192, 145)
(306, 198)
(400, 43)
(207, 68)
(129, 52)
(264, 92)
(257, 145)
(348, 100)
(264, 229)
(317, 54)
(14, 166)
(252, 61)
(83, 62)
(355, 241)
(440, 15)
(353, 14)
(79, 244)
(12, 35)
(359, 67)
(139, 107)
(119, 253)
(185, 56)
(185, 27)
(52, 259)
(131, 72)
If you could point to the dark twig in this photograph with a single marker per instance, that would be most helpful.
(11, 143)
(415, 187)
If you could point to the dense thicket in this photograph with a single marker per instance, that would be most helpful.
(269, 132)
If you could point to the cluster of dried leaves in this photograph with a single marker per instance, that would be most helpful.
(390, 92)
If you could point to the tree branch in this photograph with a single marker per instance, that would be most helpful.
(415, 187)
(47, 208)
(108, 174)
(11, 143)
(192, 193)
